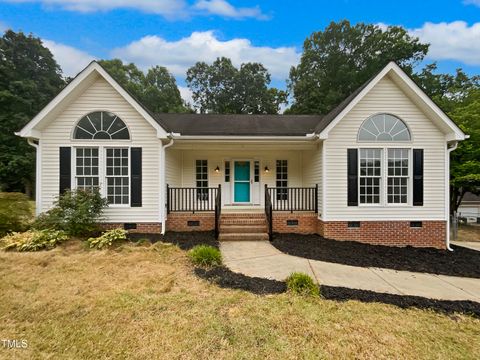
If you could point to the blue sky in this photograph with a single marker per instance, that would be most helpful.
(176, 34)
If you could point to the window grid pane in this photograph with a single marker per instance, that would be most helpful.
(202, 179)
(117, 175)
(397, 189)
(86, 168)
(282, 180)
(227, 171)
(370, 176)
(256, 174)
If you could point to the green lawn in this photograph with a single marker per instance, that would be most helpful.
(143, 302)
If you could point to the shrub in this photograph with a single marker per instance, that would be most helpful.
(33, 240)
(107, 238)
(205, 255)
(15, 212)
(302, 284)
(76, 212)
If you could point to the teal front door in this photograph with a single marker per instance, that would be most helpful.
(242, 182)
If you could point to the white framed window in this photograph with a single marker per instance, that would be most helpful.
(398, 176)
(282, 179)
(201, 176)
(370, 176)
(117, 175)
(383, 127)
(101, 125)
(104, 168)
(87, 175)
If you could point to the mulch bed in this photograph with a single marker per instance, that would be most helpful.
(460, 262)
(226, 278)
(184, 240)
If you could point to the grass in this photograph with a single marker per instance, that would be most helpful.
(469, 233)
(142, 301)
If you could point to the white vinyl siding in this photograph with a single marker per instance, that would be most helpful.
(385, 97)
(312, 161)
(100, 96)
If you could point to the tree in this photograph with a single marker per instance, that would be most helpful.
(338, 60)
(29, 79)
(157, 90)
(224, 89)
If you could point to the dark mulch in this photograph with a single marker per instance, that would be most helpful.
(184, 240)
(444, 306)
(226, 278)
(460, 262)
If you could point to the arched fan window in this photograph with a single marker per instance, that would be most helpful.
(383, 127)
(101, 125)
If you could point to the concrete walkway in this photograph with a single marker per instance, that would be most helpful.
(261, 259)
(474, 245)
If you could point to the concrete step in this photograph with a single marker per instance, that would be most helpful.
(243, 237)
(242, 229)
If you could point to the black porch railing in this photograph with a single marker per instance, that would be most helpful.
(192, 199)
(293, 198)
(269, 213)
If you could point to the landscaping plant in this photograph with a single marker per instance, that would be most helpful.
(302, 284)
(33, 240)
(76, 212)
(107, 238)
(205, 255)
(15, 212)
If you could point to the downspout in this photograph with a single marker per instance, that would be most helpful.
(447, 191)
(164, 181)
(38, 154)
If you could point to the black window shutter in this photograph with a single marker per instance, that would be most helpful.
(352, 171)
(65, 169)
(136, 177)
(417, 177)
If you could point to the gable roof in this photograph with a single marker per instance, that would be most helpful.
(240, 124)
(407, 85)
(69, 93)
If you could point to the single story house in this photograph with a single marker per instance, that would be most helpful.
(375, 169)
(469, 208)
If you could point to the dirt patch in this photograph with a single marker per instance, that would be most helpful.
(460, 262)
(184, 240)
(468, 233)
(226, 278)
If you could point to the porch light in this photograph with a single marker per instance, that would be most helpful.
(217, 169)
(267, 169)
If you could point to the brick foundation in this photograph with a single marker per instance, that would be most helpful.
(179, 221)
(390, 233)
(307, 222)
(142, 228)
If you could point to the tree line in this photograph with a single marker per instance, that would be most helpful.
(334, 62)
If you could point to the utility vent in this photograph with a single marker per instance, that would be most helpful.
(292, 222)
(193, 223)
(129, 226)
(353, 224)
(416, 224)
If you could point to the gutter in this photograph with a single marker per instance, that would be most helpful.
(447, 191)
(163, 177)
(308, 137)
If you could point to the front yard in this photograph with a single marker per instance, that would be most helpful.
(145, 302)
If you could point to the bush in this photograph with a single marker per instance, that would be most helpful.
(33, 240)
(302, 284)
(107, 238)
(205, 255)
(15, 212)
(76, 212)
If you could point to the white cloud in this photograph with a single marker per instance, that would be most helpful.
(3, 26)
(451, 41)
(70, 59)
(179, 55)
(168, 8)
(472, 2)
(186, 94)
(223, 8)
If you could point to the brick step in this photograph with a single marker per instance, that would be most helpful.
(259, 215)
(242, 229)
(247, 222)
(243, 237)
